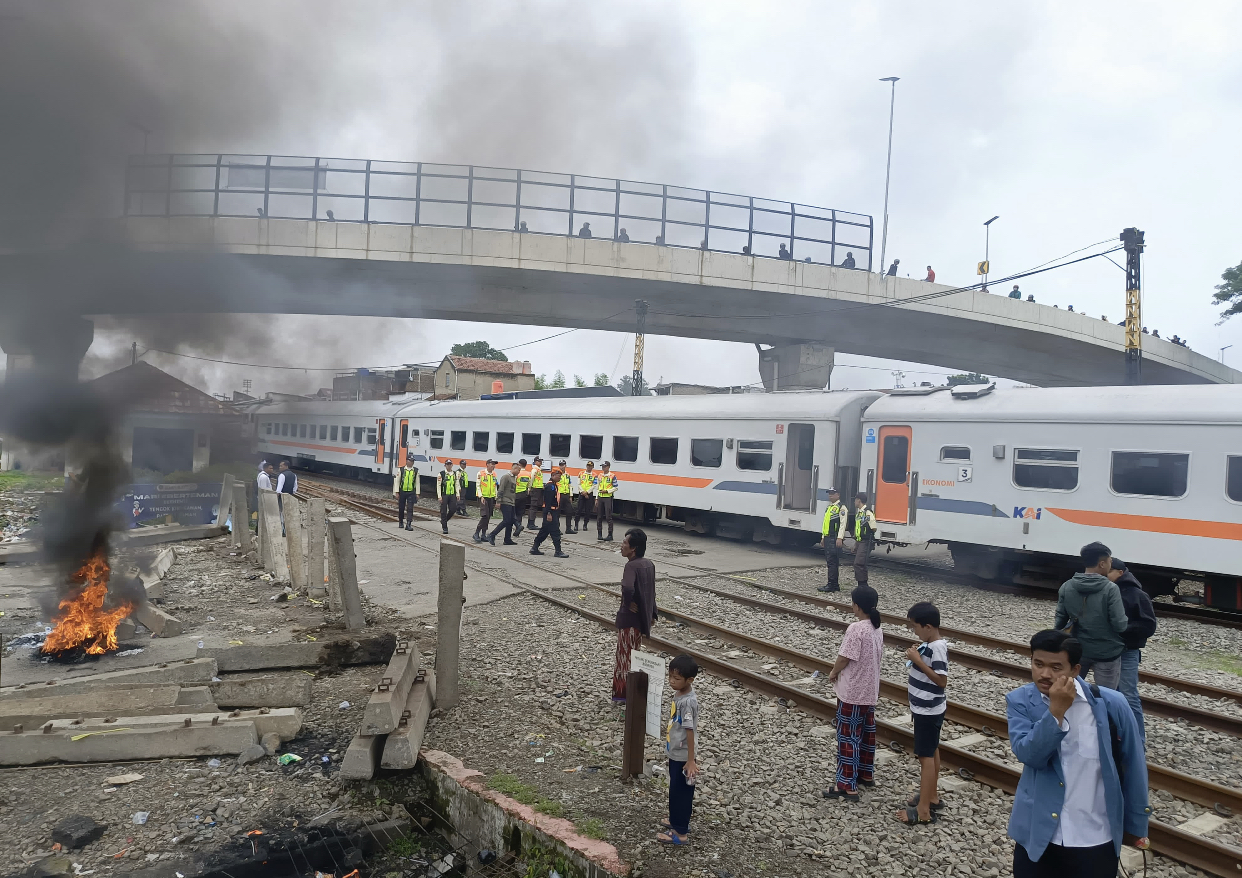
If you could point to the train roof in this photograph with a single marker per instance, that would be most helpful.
(367, 408)
(1180, 404)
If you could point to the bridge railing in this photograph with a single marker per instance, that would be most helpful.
(474, 197)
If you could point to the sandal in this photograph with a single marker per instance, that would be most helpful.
(836, 793)
(914, 803)
(664, 823)
(912, 818)
(672, 838)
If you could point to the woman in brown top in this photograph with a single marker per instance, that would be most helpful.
(638, 606)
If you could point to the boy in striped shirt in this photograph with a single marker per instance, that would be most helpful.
(928, 676)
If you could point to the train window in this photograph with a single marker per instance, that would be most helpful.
(625, 448)
(482, 441)
(531, 443)
(754, 455)
(896, 460)
(504, 443)
(268, 428)
(345, 433)
(955, 453)
(1045, 468)
(323, 431)
(370, 435)
(334, 433)
(558, 445)
(437, 438)
(1149, 473)
(591, 447)
(706, 452)
(663, 450)
(357, 435)
(301, 431)
(457, 440)
(1233, 478)
(284, 429)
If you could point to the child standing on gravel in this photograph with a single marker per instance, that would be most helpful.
(857, 675)
(928, 665)
(679, 741)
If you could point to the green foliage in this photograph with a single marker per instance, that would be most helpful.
(541, 382)
(480, 349)
(404, 847)
(592, 827)
(968, 378)
(579, 381)
(1230, 293)
(538, 862)
(601, 379)
(511, 786)
(558, 380)
(22, 480)
(626, 384)
(551, 808)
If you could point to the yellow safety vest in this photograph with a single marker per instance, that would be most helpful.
(523, 483)
(607, 484)
(564, 485)
(586, 482)
(409, 480)
(487, 483)
(864, 524)
(834, 522)
(536, 478)
(448, 483)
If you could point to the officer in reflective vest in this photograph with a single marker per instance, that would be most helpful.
(586, 495)
(463, 487)
(405, 487)
(864, 537)
(833, 538)
(565, 500)
(486, 480)
(536, 491)
(446, 493)
(605, 488)
(521, 497)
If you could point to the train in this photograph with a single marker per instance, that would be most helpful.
(1012, 480)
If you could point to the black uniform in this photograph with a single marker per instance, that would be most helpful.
(551, 519)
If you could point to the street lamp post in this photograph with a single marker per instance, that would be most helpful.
(892, 101)
(987, 249)
(1222, 352)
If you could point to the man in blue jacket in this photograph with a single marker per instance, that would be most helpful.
(1084, 777)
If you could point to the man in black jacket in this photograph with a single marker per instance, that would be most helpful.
(1142, 624)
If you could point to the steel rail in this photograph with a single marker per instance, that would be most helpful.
(1210, 856)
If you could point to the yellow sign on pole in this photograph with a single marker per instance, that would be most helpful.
(983, 268)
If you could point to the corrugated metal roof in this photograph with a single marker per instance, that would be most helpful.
(141, 387)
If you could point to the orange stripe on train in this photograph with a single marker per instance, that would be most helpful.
(1217, 530)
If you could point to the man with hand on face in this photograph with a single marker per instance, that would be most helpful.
(1083, 789)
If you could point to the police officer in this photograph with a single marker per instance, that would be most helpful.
(536, 491)
(463, 485)
(864, 537)
(551, 515)
(833, 538)
(486, 480)
(446, 493)
(586, 495)
(605, 488)
(565, 499)
(521, 497)
(405, 487)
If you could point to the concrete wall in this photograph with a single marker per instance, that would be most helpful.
(472, 385)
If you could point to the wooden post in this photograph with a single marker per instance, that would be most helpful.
(448, 627)
(241, 518)
(226, 498)
(341, 538)
(316, 521)
(293, 542)
(634, 733)
(275, 558)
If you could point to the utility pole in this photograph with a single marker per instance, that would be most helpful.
(888, 170)
(640, 308)
(1132, 240)
(133, 353)
(986, 265)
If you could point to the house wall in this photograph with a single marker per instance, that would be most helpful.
(472, 385)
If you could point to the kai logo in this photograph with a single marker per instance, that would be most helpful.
(1027, 512)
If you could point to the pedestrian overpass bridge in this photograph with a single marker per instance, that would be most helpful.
(245, 234)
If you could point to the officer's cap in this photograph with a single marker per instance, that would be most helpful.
(833, 491)
(489, 460)
(590, 463)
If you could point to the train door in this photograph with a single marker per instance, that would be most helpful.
(892, 488)
(403, 444)
(380, 437)
(799, 466)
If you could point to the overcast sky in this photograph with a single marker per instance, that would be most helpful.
(1069, 120)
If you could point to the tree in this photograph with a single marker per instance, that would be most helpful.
(579, 381)
(626, 386)
(1230, 293)
(480, 349)
(601, 379)
(541, 382)
(968, 378)
(558, 380)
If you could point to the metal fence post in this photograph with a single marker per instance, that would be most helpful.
(616, 214)
(832, 248)
(707, 220)
(315, 192)
(517, 204)
(571, 206)
(366, 194)
(664, 214)
(267, 185)
(168, 188)
(418, 192)
(215, 202)
(793, 218)
(750, 229)
(469, 196)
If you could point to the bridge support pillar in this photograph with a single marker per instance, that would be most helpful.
(796, 367)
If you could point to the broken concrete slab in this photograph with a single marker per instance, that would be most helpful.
(275, 553)
(293, 543)
(387, 701)
(198, 696)
(253, 753)
(345, 567)
(125, 629)
(39, 706)
(284, 691)
(226, 498)
(316, 525)
(284, 721)
(159, 623)
(362, 757)
(195, 670)
(401, 748)
(336, 653)
(77, 831)
(241, 518)
(169, 533)
(123, 744)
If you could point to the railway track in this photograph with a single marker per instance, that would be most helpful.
(1168, 840)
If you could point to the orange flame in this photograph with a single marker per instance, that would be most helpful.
(82, 620)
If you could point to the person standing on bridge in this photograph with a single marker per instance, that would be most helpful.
(833, 538)
(638, 606)
(487, 499)
(551, 516)
(586, 495)
(1015, 293)
(585, 231)
(605, 488)
(536, 501)
(892, 269)
(565, 499)
(521, 496)
(783, 253)
(864, 537)
(446, 493)
(505, 496)
(848, 262)
(931, 275)
(405, 487)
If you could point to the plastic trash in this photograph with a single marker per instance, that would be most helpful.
(344, 705)
(140, 817)
(289, 759)
(213, 763)
(539, 759)
(200, 644)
